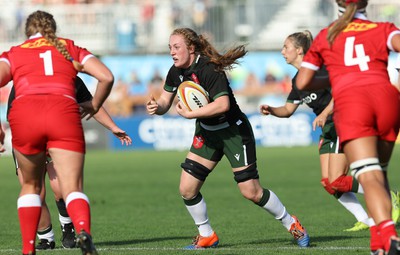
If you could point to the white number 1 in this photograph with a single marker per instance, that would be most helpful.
(361, 59)
(48, 63)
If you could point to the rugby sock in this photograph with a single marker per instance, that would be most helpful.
(47, 234)
(355, 185)
(62, 208)
(360, 189)
(29, 209)
(62, 212)
(197, 208)
(370, 222)
(271, 203)
(343, 183)
(375, 240)
(387, 229)
(79, 210)
(351, 203)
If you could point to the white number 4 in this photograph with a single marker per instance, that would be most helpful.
(361, 59)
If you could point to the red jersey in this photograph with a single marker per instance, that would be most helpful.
(37, 67)
(358, 56)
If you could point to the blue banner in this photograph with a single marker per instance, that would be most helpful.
(176, 133)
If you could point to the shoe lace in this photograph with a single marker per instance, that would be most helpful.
(296, 231)
(196, 240)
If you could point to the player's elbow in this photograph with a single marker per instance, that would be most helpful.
(108, 78)
(225, 107)
(223, 104)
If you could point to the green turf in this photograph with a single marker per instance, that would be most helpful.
(136, 207)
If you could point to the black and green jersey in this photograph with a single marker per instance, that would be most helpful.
(316, 100)
(229, 134)
(215, 83)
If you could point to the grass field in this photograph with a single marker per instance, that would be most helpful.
(136, 207)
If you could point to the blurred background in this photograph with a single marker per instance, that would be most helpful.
(131, 37)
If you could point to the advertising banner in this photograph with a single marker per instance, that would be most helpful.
(176, 133)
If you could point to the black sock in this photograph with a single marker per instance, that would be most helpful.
(62, 209)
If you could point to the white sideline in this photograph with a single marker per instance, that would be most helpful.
(328, 248)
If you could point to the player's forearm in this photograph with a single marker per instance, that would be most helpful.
(104, 119)
(102, 92)
(164, 103)
(283, 111)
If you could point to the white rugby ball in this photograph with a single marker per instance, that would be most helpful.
(192, 95)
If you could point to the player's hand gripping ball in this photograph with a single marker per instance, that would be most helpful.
(192, 95)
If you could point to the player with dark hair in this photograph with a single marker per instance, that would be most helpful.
(355, 51)
(221, 129)
(45, 118)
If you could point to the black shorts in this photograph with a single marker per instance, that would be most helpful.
(236, 142)
(328, 140)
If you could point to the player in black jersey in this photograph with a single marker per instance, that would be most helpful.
(221, 129)
(45, 230)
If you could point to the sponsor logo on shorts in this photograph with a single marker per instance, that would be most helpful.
(198, 142)
(320, 143)
(237, 156)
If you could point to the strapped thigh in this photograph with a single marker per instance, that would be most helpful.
(249, 173)
(195, 169)
(364, 165)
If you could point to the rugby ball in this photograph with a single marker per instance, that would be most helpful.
(192, 95)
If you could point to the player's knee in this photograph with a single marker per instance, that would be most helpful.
(194, 200)
(251, 194)
(195, 169)
(343, 183)
(364, 165)
(327, 186)
(249, 173)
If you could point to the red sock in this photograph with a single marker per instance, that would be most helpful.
(375, 242)
(343, 183)
(79, 210)
(386, 230)
(29, 209)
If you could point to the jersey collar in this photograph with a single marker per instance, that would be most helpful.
(37, 35)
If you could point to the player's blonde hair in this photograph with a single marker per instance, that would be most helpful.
(350, 8)
(202, 46)
(44, 23)
(301, 40)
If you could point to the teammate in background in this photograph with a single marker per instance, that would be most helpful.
(45, 118)
(221, 129)
(333, 162)
(355, 51)
(45, 230)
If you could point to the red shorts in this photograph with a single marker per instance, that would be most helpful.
(40, 122)
(371, 110)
